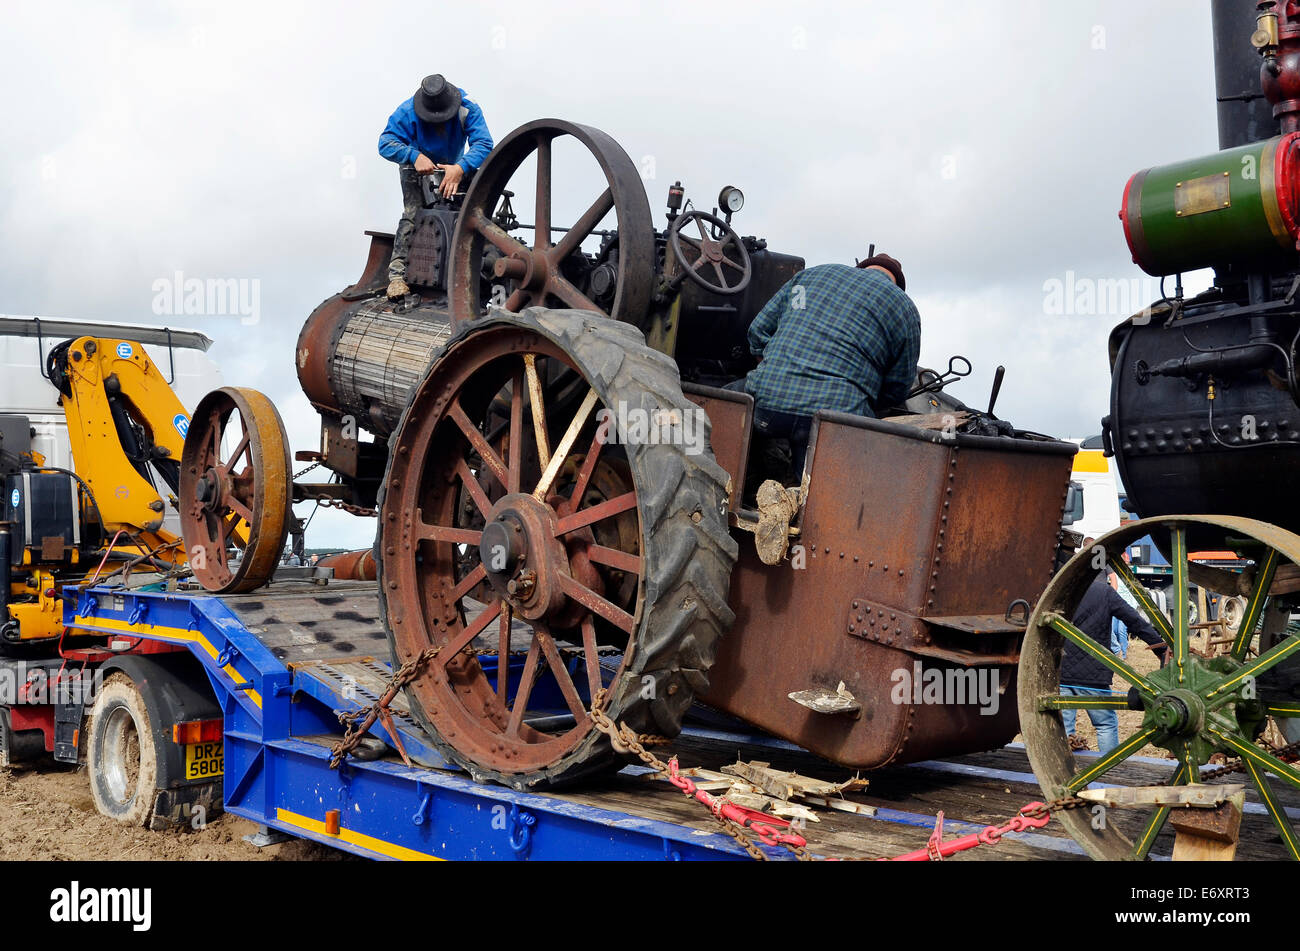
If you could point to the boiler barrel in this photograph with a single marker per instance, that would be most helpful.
(363, 360)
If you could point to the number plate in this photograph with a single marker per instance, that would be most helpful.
(205, 760)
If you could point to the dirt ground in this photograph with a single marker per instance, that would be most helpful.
(46, 813)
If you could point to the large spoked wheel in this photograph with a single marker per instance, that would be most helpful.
(535, 276)
(1198, 704)
(236, 490)
(524, 532)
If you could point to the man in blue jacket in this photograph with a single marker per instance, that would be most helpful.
(430, 132)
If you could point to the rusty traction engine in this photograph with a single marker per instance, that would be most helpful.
(559, 481)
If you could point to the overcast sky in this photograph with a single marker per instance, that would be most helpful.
(986, 149)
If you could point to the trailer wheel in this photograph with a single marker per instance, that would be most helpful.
(123, 753)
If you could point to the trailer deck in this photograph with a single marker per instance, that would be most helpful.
(284, 661)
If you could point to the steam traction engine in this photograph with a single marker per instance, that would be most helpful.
(1204, 418)
(549, 547)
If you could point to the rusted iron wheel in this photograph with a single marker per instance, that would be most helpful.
(235, 490)
(579, 543)
(1195, 706)
(532, 275)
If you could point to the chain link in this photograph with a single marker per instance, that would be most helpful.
(359, 722)
(347, 507)
(302, 472)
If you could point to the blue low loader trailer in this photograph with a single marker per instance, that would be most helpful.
(234, 701)
(243, 716)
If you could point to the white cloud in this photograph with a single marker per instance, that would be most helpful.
(986, 148)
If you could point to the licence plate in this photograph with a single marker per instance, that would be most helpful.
(205, 760)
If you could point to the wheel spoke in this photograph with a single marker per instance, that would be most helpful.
(1112, 759)
(606, 509)
(444, 533)
(566, 292)
(727, 260)
(1151, 830)
(215, 428)
(1114, 701)
(584, 226)
(239, 451)
(494, 233)
(614, 558)
(565, 444)
(591, 656)
(516, 301)
(516, 451)
(1283, 710)
(538, 409)
(467, 584)
(1264, 572)
(542, 220)
(1251, 753)
(1182, 620)
(722, 278)
(593, 602)
(1143, 598)
(526, 678)
(240, 509)
(473, 487)
(1096, 651)
(485, 452)
(471, 631)
(1264, 662)
(1275, 809)
(588, 467)
(560, 673)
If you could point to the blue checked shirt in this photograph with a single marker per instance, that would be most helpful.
(835, 337)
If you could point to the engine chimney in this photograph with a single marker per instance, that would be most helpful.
(1245, 116)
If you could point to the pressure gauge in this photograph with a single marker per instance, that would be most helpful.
(731, 199)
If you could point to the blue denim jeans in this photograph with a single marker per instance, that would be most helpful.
(1105, 722)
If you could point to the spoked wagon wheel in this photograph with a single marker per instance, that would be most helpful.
(235, 491)
(533, 276)
(579, 540)
(1193, 707)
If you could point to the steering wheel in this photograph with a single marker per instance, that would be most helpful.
(694, 255)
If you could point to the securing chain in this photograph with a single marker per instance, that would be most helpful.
(359, 722)
(347, 507)
(736, 821)
(1287, 754)
(302, 472)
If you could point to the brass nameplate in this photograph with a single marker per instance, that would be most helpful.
(1200, 195)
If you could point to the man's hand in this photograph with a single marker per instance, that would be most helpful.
(424, 165)
(452, 174)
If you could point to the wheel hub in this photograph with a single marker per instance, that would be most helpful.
(522, 556)
(1180, 713)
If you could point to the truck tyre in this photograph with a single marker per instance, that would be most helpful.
(123, 753)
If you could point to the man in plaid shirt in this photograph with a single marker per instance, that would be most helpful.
(834, 337)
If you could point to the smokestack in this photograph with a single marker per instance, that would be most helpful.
(1236, 76)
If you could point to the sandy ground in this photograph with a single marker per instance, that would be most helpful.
(46, 813)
